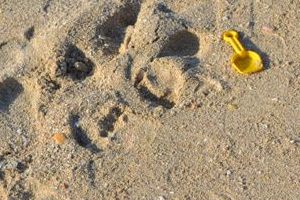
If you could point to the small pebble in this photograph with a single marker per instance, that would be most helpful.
(59, 138)
(294, 141)
(80, 66)
(228, 172)
(232, 107)
(19, 131)
(161, 198)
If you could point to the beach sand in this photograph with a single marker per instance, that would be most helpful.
(133, 99)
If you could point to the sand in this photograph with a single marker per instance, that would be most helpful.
(132, 99)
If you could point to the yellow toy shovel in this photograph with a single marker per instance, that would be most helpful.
(245, 62)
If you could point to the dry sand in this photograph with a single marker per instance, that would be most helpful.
(132, 99)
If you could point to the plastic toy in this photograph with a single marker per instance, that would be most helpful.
(243, 61)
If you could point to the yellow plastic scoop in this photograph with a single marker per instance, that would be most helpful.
(245, 62)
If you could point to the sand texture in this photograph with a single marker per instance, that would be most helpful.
(136, 99)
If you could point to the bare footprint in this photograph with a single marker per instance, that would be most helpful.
(159, 73)
(169, 71)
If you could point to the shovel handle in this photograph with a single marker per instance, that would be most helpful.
(232, 38)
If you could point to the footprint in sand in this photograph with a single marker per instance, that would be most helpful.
(166, 61)
(77, 63)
